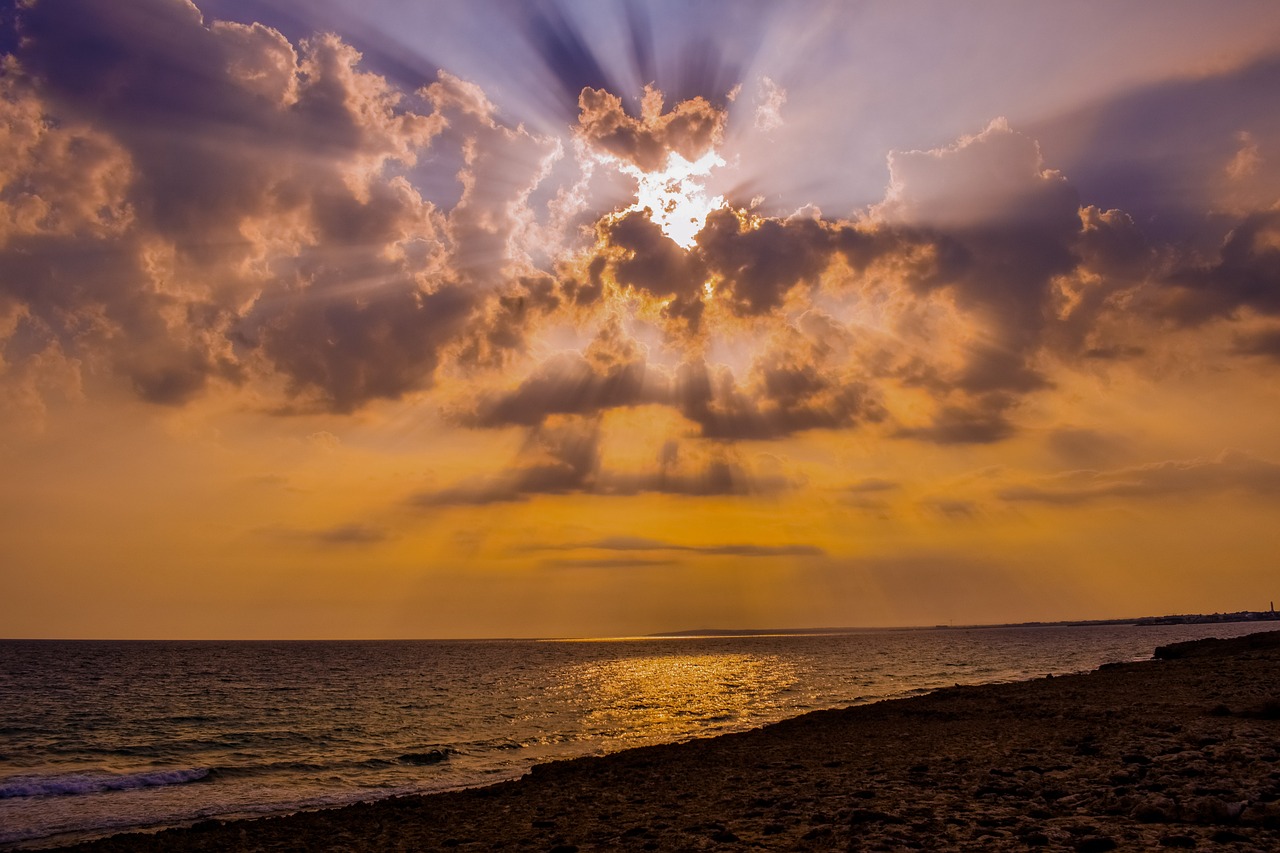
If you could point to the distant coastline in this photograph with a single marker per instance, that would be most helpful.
(1140, 621)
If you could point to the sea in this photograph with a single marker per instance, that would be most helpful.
(99, 737)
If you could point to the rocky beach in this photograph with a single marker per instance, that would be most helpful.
(1180, 752)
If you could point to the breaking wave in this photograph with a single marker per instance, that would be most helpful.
(73, 784)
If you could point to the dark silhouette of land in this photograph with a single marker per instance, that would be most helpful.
(1175, 619)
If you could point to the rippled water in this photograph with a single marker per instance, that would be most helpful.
(102, 736)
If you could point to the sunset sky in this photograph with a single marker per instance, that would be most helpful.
(481, 319)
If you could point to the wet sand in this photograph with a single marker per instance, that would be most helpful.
(1182, 752)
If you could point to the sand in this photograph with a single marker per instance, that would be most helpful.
(1181, 752)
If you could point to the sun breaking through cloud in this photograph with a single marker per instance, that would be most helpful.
(620, 288)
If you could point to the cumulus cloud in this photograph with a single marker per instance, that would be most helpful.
(197, 206)
(690, 129)
(1244, 275)
(758, 262)
(229, 204)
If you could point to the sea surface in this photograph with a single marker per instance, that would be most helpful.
(98, 737)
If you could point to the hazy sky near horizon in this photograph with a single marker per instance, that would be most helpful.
(476, 319)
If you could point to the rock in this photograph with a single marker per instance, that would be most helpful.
(1213, 810)
(1156, 809)
(1095, 844)
(1226, 836)
(861, 816)
(1262, 814)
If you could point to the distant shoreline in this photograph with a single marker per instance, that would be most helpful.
(1262, 616)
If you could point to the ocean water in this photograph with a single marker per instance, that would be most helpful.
(101, 737)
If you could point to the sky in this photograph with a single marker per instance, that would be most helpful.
(552, 319)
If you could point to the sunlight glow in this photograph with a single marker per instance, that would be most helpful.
(675, 197)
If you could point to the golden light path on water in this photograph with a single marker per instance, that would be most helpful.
(674, 697)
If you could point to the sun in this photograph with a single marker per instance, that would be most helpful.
(676, 198)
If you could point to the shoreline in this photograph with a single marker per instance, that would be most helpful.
(1180, 751)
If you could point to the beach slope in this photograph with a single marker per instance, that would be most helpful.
(1179, 752)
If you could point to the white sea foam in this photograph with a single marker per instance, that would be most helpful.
(71, 784)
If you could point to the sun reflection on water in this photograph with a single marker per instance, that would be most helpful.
(672, 697)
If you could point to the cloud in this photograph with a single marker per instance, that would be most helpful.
(562, 456)
(1137, 151)
(239, 207)
(201, 207)
(343, 535)
(1246, 274)
(984, 423)
(1264, 343)
(607, 563)
(640, 543)
(769, 106)
(758, 261)
(610, 374)
(690, 129)
(1086, 447)
(952, 509)
(638, 256)
(1231, 471)
(872, 485)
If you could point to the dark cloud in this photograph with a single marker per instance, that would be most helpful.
(952, 509)
(1115, 352)
(1139, 151)
(611, 373)
(202, 202)
(760, 262)
(1011, 227)
(797, 383)
(640, 257)
(607, 563)
(691, 128)
(194, 204)
(353, 535)
(640, 543)
(562, 456)
(1246, 274)
(1082, 448)
(1231, 471)
(350, 351)
(1265, 343)
(984, 423)
(872, 485)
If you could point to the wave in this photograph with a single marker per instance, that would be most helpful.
(73, 784)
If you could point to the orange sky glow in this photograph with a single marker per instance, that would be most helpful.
(607, 319)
